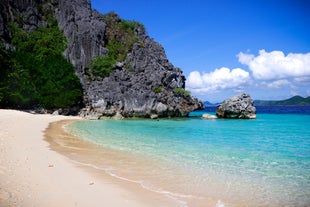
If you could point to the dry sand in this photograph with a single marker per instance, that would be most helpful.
(33, 175)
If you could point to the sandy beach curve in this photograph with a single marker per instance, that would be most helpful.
(33, 175)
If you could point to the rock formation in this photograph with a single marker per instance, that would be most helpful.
(84, 29)
(144, 84)
(238, 107)
(209, 116)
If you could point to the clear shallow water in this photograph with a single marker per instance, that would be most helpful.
(262, 162)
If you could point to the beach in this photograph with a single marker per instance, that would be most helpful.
(52, 160)
(31, 174)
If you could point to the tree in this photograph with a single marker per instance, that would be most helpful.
(36, 73)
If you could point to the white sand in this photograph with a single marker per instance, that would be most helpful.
(33, 175)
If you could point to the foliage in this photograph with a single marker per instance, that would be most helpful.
(21, 91)
(4, 64)
(42, 42)
(158, 89)
(120, 35)
(36, 73)
(182, 91)
(102, 66)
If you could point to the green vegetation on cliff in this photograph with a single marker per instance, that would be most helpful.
(36, 73)
(120, 36)
(182, 91)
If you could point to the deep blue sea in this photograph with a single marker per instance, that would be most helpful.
(261, 162)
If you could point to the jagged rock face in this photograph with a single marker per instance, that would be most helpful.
(132, 93)
(130, 90)
(238, 107)
(24, 13)
(84, 29)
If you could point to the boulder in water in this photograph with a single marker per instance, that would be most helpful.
(238, 107)
(209, 116)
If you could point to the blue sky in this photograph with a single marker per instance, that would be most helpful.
(224, 47)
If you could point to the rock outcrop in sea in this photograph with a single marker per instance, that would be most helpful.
(143, 84)
(209, 116)
(238, 107)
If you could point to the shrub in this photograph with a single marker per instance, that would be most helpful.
(182, 91)
(102, 66)
(120, 36)
(36, 73)
(158, 89)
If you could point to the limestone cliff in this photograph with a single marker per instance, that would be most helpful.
(144, 83)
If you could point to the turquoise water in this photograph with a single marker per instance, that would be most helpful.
(262, 162)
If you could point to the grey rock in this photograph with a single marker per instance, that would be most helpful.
(175, 80)
(238, 107)
(118, 116)
(130, 88)
(209, 116)
(24, 13)
(154, 116)
(91, 115)
(84, 29)
(55, 112)
(161, 108)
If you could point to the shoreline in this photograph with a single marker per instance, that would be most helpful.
(34, 174)
(89, 157)
(103, 162)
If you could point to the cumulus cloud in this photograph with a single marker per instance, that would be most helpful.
(279, 84)
(275, 65)
(219, 79)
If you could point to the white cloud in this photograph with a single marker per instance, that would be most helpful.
(219, 79)
(245, 59)
(279, 84)
(303, 80)
(275, 65)
(194, 80)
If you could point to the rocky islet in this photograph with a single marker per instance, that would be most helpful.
(240, 106)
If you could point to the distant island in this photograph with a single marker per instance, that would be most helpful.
(293, 101)
(207, 103)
